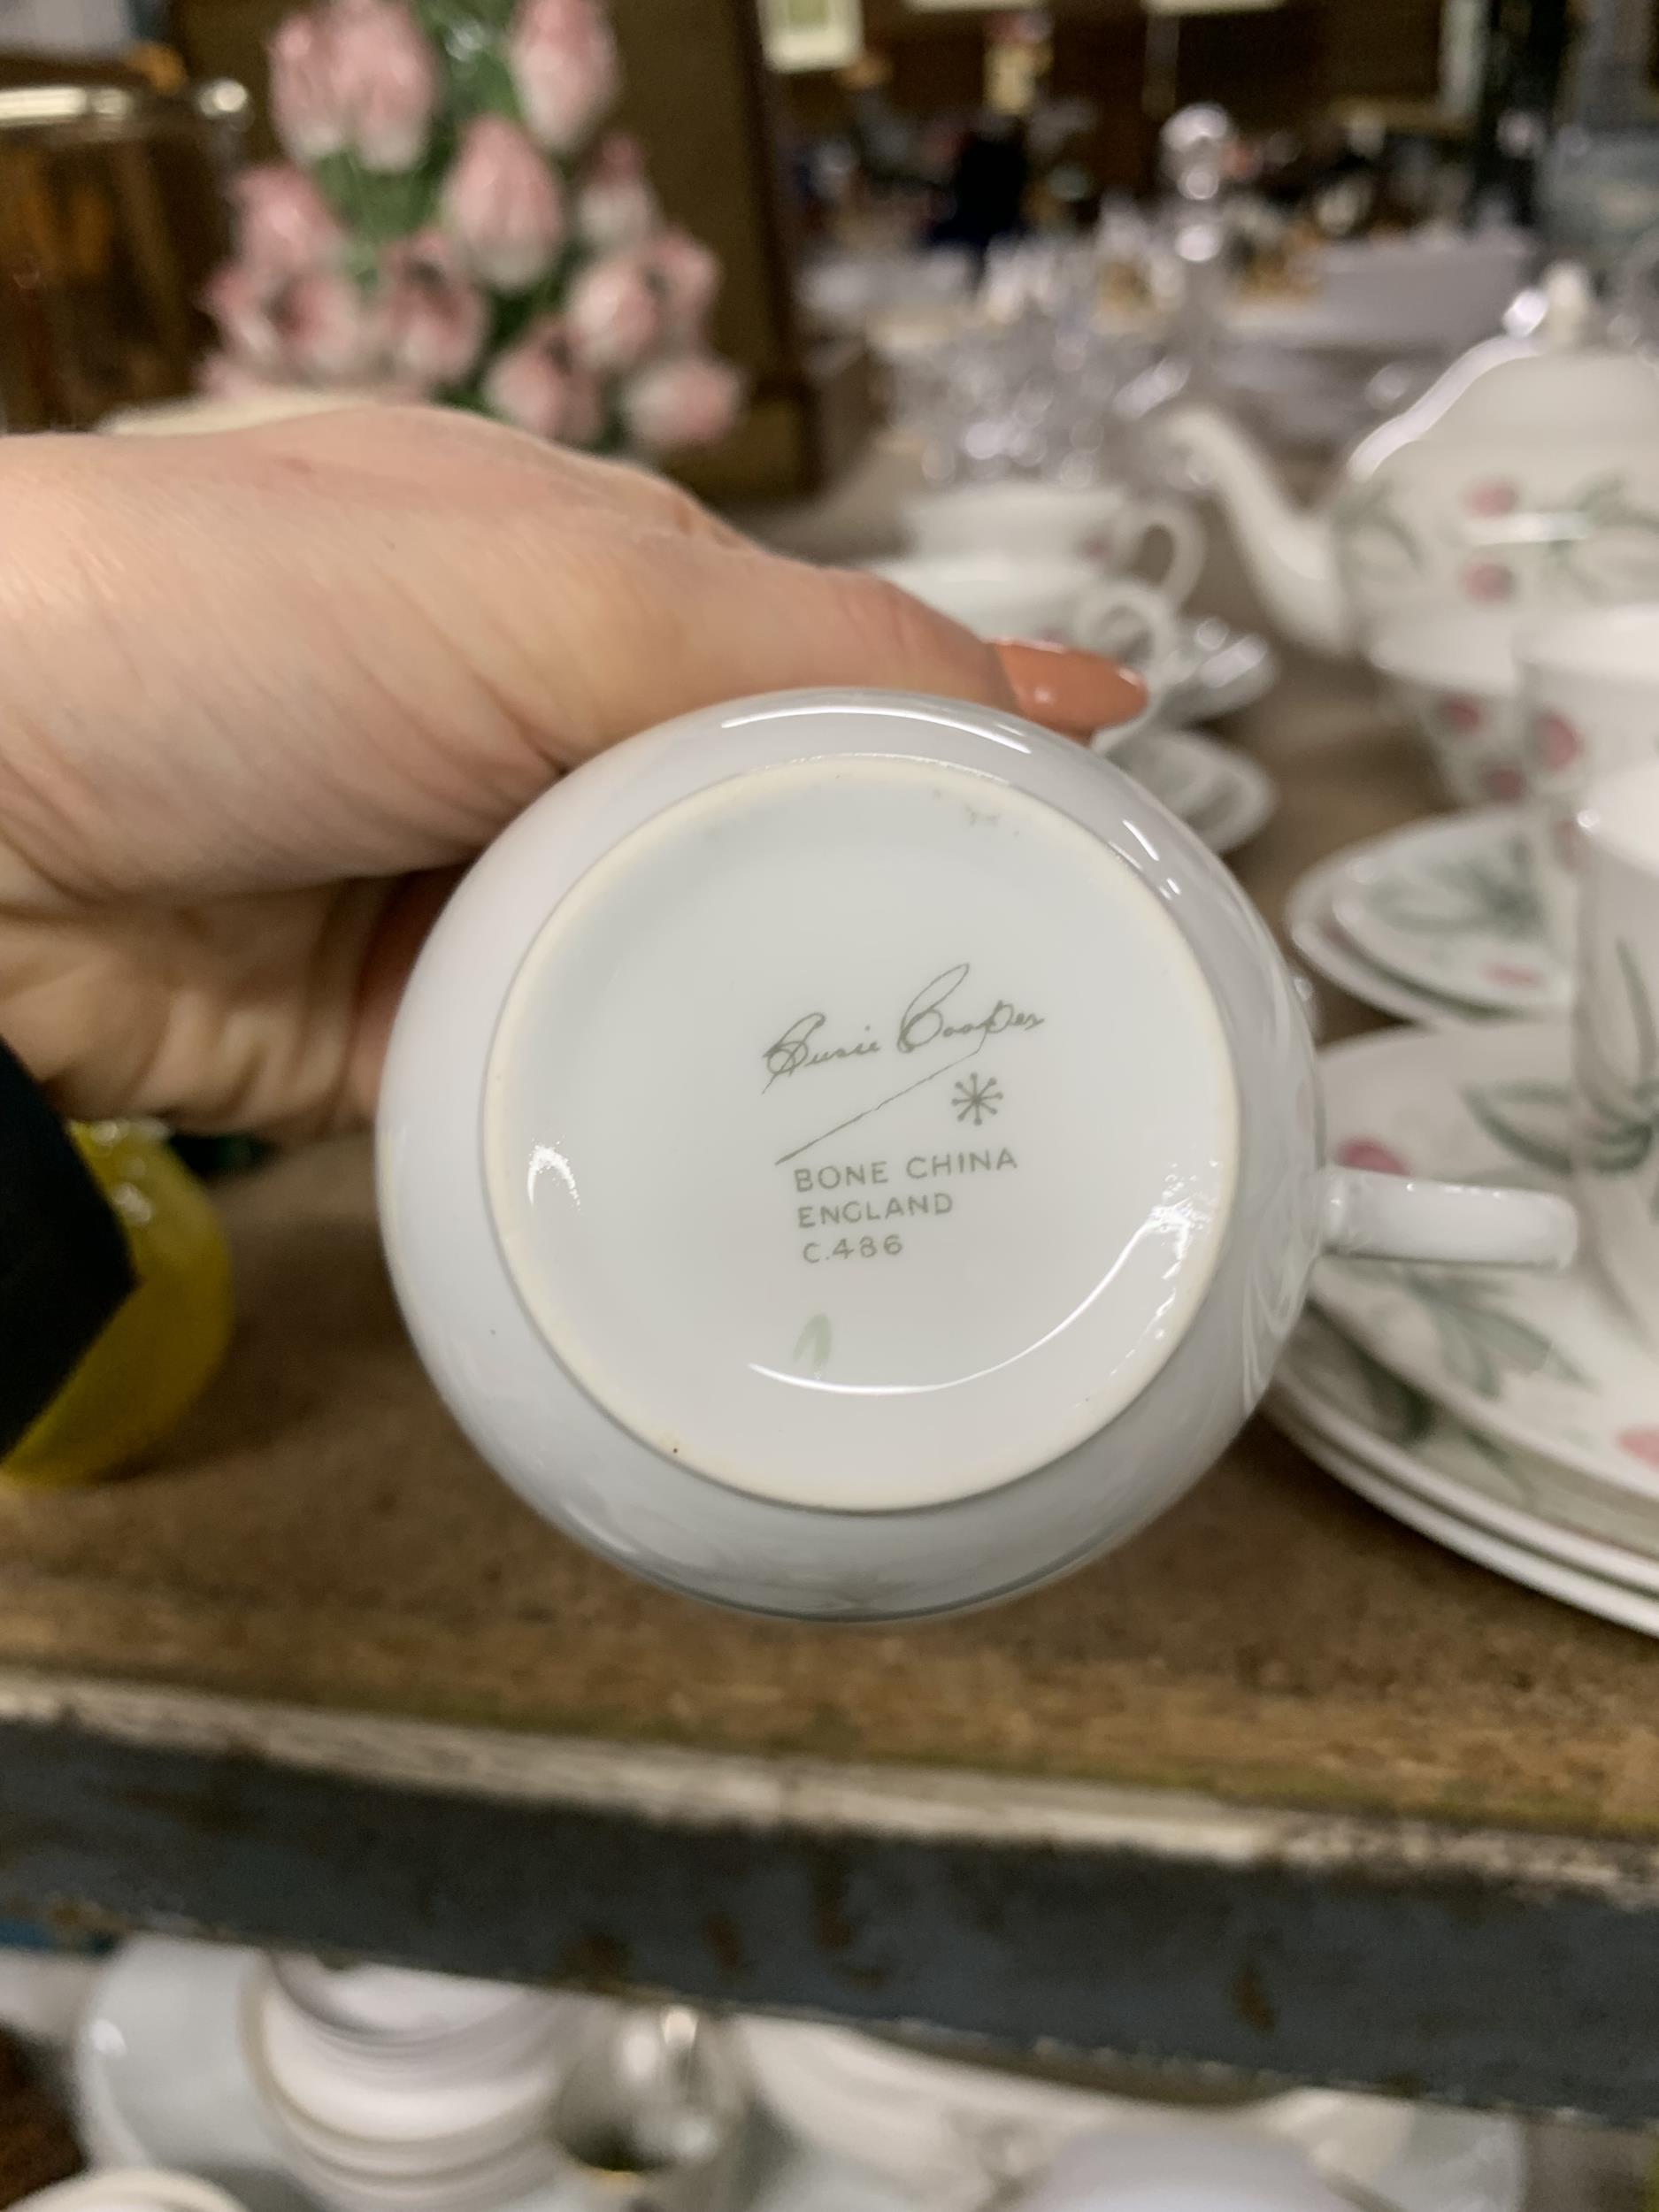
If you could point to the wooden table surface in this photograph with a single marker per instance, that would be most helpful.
(319, 1534)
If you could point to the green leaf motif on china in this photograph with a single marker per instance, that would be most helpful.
(1528, 1117)
(1361, 1386)
(1492, 894)
(1590, 513)
(1619, 1114)
(1370, 512)
(1481, 1341)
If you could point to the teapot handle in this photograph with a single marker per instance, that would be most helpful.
(1379, 1216)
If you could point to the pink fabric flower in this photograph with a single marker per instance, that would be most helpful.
(1367, 1152)
(284, 225)
(1504, 783)
(613, 313)
(432, 316)
(689, 400)
(1558, 743)
(239, 299)
(537, 385)
(688, 276)
(1492, 498)
(615, 206)
(565, 71)
(329, 333)
(1488, 580)
(386, 76)
(221, 376)
(305, 101)
(1462, 716)
(503, 205)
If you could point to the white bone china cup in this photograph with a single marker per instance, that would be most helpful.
(853, 1155)
(1065, 601)
(1107, 525)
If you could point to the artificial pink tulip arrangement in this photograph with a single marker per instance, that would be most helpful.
(453, 223)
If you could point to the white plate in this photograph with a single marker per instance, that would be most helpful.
(1610, 1600)
(1221, 670)
(1245, 797)
(1545, 1363)
(1327, 1382)
(1183, 771)
(158, 2073)
(954, 2135)
(1453, 905)
(1312, 927)
(953, 2132)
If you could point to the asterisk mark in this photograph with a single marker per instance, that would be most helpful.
(976, 1096)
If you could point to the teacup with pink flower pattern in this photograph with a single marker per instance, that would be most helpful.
(1453, 670)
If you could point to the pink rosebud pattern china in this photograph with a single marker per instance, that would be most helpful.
(1329, 1383)
(1453, 670)
(1312, 928)
(1526, 477)
(1549, 1367)
(1453, 906)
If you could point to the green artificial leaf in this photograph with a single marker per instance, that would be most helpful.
(482, 83)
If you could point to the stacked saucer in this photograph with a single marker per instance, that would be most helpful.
(1514, 1419)
(368, 2089)
(1443, 922)
(1216, 789)
(388, 2089)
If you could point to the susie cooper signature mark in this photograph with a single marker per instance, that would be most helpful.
(936, 1014)
(939, 1013)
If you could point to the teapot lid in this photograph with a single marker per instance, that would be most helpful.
(860, 1130)
(1561, 382)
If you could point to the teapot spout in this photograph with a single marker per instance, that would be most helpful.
(1290, 554)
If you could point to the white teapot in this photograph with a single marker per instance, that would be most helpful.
(1527, 475)
(852, 1155)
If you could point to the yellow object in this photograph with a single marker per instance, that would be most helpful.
(158, 1353)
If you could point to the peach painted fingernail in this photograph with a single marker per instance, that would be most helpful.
(1067, 689)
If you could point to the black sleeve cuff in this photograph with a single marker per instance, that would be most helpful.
(65, 1268)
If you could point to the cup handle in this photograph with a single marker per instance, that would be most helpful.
(1101, 612)
(1183, 529)
(1410, 1218)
